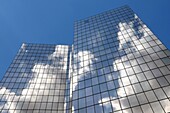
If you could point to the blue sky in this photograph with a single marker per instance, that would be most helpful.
(51, 21)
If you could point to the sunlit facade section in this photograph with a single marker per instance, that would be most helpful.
(36, 81)
(119, 66)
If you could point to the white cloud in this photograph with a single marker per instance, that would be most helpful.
(84, 59)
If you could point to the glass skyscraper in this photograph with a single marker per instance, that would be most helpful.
(115, 65)
(36, 80)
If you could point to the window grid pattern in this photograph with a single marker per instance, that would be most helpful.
(115, 65)
(119, 66)
(36, 80)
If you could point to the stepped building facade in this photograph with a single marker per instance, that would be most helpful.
(115, 65)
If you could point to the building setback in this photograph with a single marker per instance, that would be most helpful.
(115, 65)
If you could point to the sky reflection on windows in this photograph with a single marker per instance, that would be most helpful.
(126, 57)
(116, 64)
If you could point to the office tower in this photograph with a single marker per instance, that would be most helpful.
(119, 66)
(36, 80)
(115, 65)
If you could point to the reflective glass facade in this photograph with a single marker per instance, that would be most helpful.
(115, 65)
(36, 80)
(119, 66)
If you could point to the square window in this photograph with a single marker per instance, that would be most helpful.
(96, 89)
(110, 85)
(165, 70)
(90, 109)
(141, 77)
(154, 56)
(148, 75)
(151, 65)
(98, 109)
(159, 63)
(133, 100)
(142, 98)
(147, 58)
(161, 54)
(151, 96)
(133, 79)
(162, 81)
(140, 60)
(124, 103)
(165, 104)
(166, 61)
(160, 94)
(89, 101)
(145, 86)
(88, 91)
(125, 81)
(156, 73)
(157, 107)
(137, 88)
(129, 71)
(129, 90)
(137, 69)
(154, 83)
(103, 87)
(95, 80)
